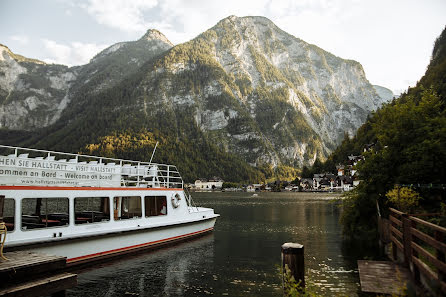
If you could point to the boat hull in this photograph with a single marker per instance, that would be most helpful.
(95, 248)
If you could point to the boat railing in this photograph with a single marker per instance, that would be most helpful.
(190, 201)
(108, 171)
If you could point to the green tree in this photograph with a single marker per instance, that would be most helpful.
(410, 148)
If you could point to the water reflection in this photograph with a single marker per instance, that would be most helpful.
(241, 257)
(163, 272)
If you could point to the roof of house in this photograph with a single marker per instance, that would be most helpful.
(325, 181)
(306, 180)
(345, 178)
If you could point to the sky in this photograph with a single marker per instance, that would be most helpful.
(393, 40)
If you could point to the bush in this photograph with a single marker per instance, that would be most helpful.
(405, 199)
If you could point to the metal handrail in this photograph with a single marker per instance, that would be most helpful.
(190, 201)
(79, 155)
(166, 174)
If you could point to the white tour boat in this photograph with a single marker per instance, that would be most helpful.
(87, 208)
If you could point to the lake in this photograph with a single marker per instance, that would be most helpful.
(242, 256)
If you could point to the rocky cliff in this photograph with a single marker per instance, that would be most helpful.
(385, 94)
(33, 94)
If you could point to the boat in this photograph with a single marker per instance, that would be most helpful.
(88, 208)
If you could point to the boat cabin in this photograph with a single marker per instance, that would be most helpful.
(48, 196)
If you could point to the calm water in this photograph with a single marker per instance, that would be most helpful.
(241, 257)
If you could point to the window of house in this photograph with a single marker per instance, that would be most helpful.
(127, 207)
(91, 210)
(155, 205)
(7, 212)
(44, 212)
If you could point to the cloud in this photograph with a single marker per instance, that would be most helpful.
(121, 14)
(23, 39)
(74, 53)
(179, 20)
(193, 17)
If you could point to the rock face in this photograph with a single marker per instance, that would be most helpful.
(249, 87)
(384, 93)
(34, 94)
(119, 61)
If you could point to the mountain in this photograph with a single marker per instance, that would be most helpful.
(33, 94)
(384, 93)
(120, 60)
(243, 89)
(260, 92)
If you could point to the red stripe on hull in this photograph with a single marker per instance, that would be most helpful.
(124, 249)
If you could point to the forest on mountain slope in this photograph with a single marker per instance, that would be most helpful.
(408, 137)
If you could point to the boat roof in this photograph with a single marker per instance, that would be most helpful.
(33, 167)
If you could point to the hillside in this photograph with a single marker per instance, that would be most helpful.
(409, 137)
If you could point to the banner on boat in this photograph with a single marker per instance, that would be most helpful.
(32, 172)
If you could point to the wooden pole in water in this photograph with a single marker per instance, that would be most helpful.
(293, 259)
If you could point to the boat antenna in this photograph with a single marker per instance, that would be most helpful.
(153, 153)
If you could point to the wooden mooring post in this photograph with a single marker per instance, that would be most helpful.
(293, 260)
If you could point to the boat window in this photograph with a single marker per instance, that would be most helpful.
(155, 205)
(91, 210)
(44, 213)
(7, 212)
(127, 207)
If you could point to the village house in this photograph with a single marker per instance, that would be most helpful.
(368, 147)
(344, 182)
(306, 183)
(323, 181)
(317, 180)
(288, 188)
(214, 183)
(341, 170)
(353, 160)
(253, 187)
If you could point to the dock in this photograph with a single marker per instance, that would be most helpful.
(30, 274)
(418, 250)
(383, 277)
